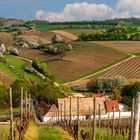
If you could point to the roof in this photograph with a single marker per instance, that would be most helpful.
(97, 95)
(112, 105)
(85, 105)
(48, 110)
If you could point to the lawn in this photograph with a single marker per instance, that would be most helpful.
(20, 65)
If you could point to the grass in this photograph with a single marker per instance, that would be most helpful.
(7, 110)
(20, 66)
(80, 31)
(7, 70)
(4, 132)
(35, 132)
(105, 134)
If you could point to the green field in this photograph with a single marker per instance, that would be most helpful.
(20, 65)
(43, 132)
(105, 134)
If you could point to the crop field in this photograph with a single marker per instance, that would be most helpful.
(129, 69)
(83, 59)
(78, 32)
(47, 36)
(126, 46)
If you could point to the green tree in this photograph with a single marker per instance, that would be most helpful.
(129, 92)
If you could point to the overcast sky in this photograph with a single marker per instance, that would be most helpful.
(69, 10)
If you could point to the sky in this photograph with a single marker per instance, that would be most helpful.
(69, 10)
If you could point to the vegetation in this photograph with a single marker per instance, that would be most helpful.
(106, 24)
(129, 92)
(106, 134)
(4, 132)
(35, 132)
(103, 84)
(43, 68)
(117, 33)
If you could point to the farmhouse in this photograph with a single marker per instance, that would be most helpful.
(82, 107)
(48, 111)
(85, 106)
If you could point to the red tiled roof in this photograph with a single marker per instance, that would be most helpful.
(112, 104)
(97, 95)
(48, 110)
(45, 108)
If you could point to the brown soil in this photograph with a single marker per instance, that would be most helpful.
(129, 70)
(126, 46)
(77, 62)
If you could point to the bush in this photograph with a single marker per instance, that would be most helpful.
(2, 48)
(56, 39)
(14, 51)
(42, 68)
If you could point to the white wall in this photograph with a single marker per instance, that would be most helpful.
(106, 116)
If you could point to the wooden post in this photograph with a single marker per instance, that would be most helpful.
(89, 117)
(113, 119)
(58, 113)
(21, 107)
(64, 110)
(132, 118)
(70, 111)
(61, 111)
(99, 115)
(94, 120)
(29, 105)
(78, 106)
(11, 117)
(26, 105)
(136, 117)
(119, 123)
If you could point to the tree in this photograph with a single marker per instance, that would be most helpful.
(116, 92)
(4, 95)
(2, 48)
(129, 92)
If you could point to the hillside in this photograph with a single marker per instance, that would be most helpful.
(7, 74)
(83, 59)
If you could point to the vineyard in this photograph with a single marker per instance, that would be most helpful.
(129, 69)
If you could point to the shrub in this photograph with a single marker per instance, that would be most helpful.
(42, 68)
(2, 48)
(56, 39)
(14, 51)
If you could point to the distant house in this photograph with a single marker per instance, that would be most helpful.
(85, 107)
(48, 111)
